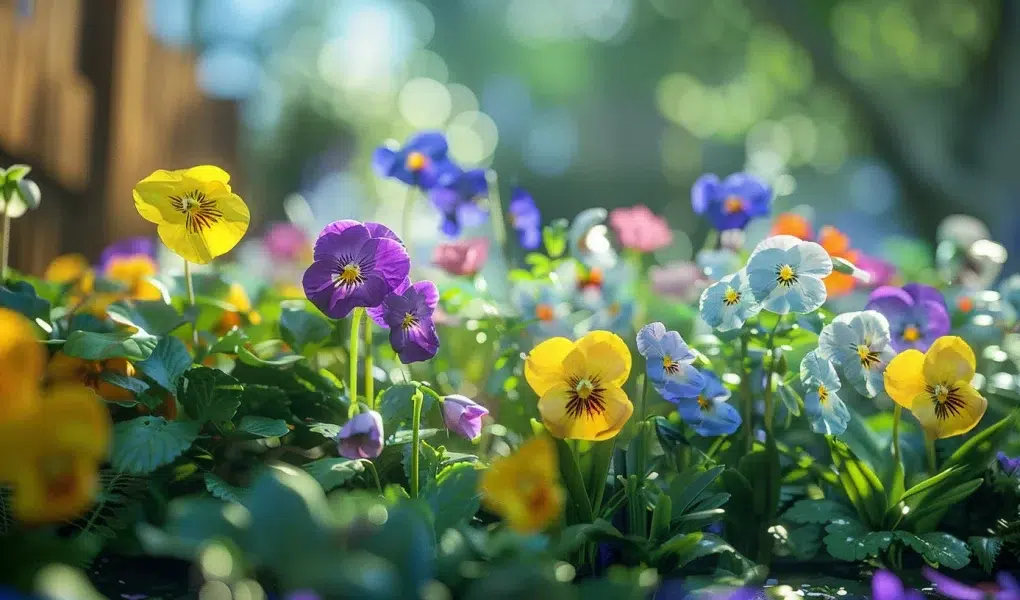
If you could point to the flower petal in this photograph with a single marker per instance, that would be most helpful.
(543, 368)
(615, 361)
(706, 190)
(207, 174)
(966, 415)
(904, 378)
(949, 359)
(594, 427)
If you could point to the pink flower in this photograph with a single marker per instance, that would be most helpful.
(462, 257)
(640, 229)
(881, 272)
(287, 242)
(681, 280)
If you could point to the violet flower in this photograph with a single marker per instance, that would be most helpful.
(361, 436)
(525, 218)
(456, 195)
(1008, 587)
(409, 316)
(887, 586)
(356, 264)
(1009, 466)
(732, 202)
(463, 415)
(419, 162)
(917, 315)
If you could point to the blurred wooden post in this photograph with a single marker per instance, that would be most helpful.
(94, 103)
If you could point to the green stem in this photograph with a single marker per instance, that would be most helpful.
(375, 475)
(711, 239)
(405, 223)
(6, 249)
(745, 392)
(897, 413)
(496, 209)
(190, 286)
(769, 405)
(415, 441)
(352, 360)
(929, 446)
(369, 366)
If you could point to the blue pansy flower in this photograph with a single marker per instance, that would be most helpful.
(670, 362)
(419, 162)
(709, 413)
(525, 218)
(729, 302)
(858, 342)
(824, 408)
(733, 202)
(542, 305)
(786, 274)
(457, 194)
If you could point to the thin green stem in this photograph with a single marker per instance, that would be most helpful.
(6, 249)
(352, 360)
(745, 391)
(929, 446)
(369, 365)
(496, 209)
(711, 239)
(415, 440)
(769, 404)
(405, 223)
(640, 461)
(189, 284)
(375, 475)
(897, 413)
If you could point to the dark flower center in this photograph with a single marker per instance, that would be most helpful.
(730, 296)
(823, 394)
(869, 358)
(349, 275)
(199, 210)
(704, 403)
(669, 365)
(410, 320)
(585, 397)
(786, 276)
(947, 399)
(911, 333)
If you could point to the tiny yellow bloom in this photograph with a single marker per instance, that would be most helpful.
(67, 268)
(238, 298)
(579, 385)
(197, 214)
(22, 361)
(134, 272)
(57, 452)
(936, 387)
(524, 488)
(70, 369)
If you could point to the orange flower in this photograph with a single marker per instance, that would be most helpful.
(837, 244)
(64, 368)
(792, 224)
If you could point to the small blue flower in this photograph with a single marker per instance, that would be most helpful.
(419, 162)
(786, 274)
(542, 305)
(731, 203)
(709, 413)
(525, 218)
(588, 239)
(729, 302)
(669, 361)
(826, 411)
(858, 342)
(456, 194)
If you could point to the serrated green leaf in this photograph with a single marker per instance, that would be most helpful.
(332, 473)
(326, 430)
(986, 549)
(145, 444)
(131, 384)
(938, 549)
(168, 361)
(300, 327)
(263, 427)
(209, 394)
(223, 490)
(454, 498)
(817, 511)
(805, 541)
(849, 540)
(90, 345)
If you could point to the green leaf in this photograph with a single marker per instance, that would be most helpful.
(250, 358)
(300, 327)
(395, 405)
(326, 430)
(263, 427)
(685, 488)
(817, 511)
(128, 383)
(689, 547)
(791, 399)
(145, 444)
(929, 513)
(849, 540)
(554, 235)
(154, 316)
(986, 549)
(17, 172)
(209, 394)
(574, 481)
(804, 542)
(89, 345)
(859, 482)
(978, 451)
(454, 498)
(938, 549)
(21, 297)
(168, 361)
(332, 473)
(428, 465)
(661, 517)
(223, 490)
(229, 343)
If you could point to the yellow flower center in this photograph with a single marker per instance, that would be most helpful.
(786, 276)
(409, 321)
(349, 275)
(911, 334)
(869, 358)
(614, 309)
(703, 403)
(544, 312)
(947, 399)
(199, 210)
(416, 161)
(586, 397)
(731, 296)
(733, 204)
(823, 394)
(669, 365)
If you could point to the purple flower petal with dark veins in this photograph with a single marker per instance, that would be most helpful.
(362, 436)
(408, 315)
(127, 247)
(463, 415)
(353, 268)
(916, 313)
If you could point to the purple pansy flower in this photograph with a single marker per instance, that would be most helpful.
(419, 162)
(525, 219)
(130, 247)
(732, 202)
(463, 415)
(356, 264)
(1009, 466)
(362, 436)
(456, 196)
(409, 316)
(1008, 587)
(916, 313)
(887, 586)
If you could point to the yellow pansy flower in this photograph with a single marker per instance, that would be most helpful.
(134, 272)
(56, 452)
(70, 369)
(579, 385)
(524, 488)
(239, 299)
(936, 387)
(22, 359)
(67, 268)
(197, 214)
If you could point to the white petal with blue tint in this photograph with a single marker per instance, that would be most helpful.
(728, 303)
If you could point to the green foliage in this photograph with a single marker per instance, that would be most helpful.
(89, 345)
(817, 511)
(454, 498)
(209, 395)
(986, 550)
(300, 327)
(332, 473)
(168, 361)
(145, 444)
